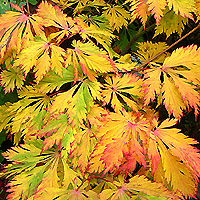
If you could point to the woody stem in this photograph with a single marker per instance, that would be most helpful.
(157, 55)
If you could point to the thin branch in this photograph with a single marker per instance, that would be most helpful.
(154, 57)
(140, 33)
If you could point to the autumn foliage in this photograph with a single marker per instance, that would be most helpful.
(89, 123)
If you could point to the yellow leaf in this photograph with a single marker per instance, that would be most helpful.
(88, 57)
(177, 173)
(43, 55)
(119, 142)
(30, 106)
(103, 37)
(17, 29)
(117, 16)
(152, 82)
(178, 78)
(147, 50)
(70, 176)
(11, 79)
(77, 103)
(53, 16)
(139, 9)
(179, 145)
(172, 98)
(186, 56)
(184, 7)
(156, 7)
(174, 25)
(82, 148)
(117, 89)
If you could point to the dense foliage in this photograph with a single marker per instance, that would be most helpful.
(97, 104)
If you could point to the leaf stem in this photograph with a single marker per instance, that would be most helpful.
(140, 33)
(154, 57)
(28, 6)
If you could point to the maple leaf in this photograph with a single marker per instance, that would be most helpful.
(185, 8)
(175, 72)
(63, 193)
(180, 176)
(43, 55)
(175, 24)
(117, 88)
(82, 148)
(77, 101)
(139, 9)
(95, 35)
(17, 29)
(156, 7)
(53, 16)
(179, 158)
(98, 21)
(53, 82)
(115, 143)
(56, 129)
(139, 187)
(147, 50)
(88, 57)
(117, 16)
(27, 175)
(12, 78)
(5, 116)
(35, 171)
(79, 5)
(29, 111)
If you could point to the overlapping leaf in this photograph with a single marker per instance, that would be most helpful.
(78, 133)
(96, 34)
(125, 89)
(119, 141)
(89, 59)
(176, 79)
(34, 171)
(53, 16)
(27, 114)
(11, 79)
(179, 158)
(17, 29)
(57, 129)
(71, 194)
(41, 55)
(117, 16)
(138, 187)
(140, 8)
(174, 25)
(77, 101)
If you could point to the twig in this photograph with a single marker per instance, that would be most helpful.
(140, 33)
(154, 57)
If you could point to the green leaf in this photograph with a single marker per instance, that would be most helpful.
(4, 6)
(9, 97)
(53, 82)
(33, 2)
(124, 37)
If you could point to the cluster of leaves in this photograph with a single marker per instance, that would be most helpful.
(87, 116)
